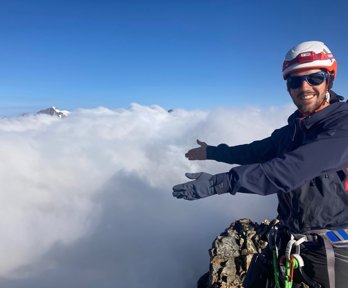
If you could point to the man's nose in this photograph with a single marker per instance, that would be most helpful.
(304, 84)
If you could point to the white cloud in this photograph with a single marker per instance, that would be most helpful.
(88, 198)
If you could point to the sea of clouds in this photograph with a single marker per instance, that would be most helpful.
(86, 200)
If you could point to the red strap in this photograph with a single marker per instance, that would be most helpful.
(346, 181)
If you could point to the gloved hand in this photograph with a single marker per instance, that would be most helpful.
(204, 185)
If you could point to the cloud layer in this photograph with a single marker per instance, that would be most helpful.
(86, 200)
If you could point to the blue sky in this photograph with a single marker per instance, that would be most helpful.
(177, 54)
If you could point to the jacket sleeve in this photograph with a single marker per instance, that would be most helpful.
(327, 152)
(255, 152)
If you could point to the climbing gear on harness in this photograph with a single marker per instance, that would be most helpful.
(288, 262)
(292, 260)
(284, 263)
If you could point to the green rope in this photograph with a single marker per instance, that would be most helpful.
(275, 269)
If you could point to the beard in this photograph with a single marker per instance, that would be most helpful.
(309, 102)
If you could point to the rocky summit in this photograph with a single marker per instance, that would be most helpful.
(232, 252)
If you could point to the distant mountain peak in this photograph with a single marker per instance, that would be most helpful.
(53, 111)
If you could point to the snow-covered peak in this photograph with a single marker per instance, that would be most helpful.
(53, 111)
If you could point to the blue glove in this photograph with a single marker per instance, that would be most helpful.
(204, 185)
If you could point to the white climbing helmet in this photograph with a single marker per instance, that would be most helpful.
(309, 55)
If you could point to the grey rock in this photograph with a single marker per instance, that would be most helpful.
(232, 252)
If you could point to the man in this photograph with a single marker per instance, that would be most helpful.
(304, 163)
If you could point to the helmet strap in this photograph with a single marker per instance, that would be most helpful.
(325, 102)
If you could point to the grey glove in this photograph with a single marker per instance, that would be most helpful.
(204, 185)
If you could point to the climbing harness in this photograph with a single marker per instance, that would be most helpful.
(285, 265)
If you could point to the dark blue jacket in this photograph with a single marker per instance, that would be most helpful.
(303, 162)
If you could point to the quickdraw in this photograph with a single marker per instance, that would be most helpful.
(288, 263)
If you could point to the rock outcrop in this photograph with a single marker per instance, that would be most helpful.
(232, 252)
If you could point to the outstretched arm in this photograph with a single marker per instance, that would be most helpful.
(255, 152)
(280, 174)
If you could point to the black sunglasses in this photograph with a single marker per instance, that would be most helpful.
(294, 82)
